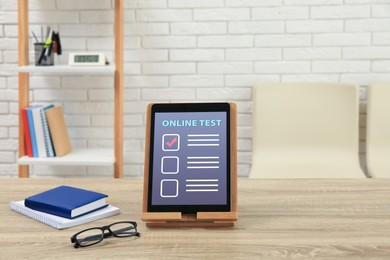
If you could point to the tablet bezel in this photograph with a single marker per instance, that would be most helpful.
(190, 107)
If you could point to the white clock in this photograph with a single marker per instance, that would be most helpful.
(87, 59)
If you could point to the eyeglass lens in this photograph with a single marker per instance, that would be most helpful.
(90, 237)
(123, 229)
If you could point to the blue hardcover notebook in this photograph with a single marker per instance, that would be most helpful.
(68, 202)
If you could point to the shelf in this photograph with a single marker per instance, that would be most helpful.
(112, 157)
(60, 69)
(87, 156)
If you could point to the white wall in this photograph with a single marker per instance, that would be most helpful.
(186, 50)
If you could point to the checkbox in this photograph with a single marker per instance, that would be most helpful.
(169, 188)
(169, 165)
(171, 142)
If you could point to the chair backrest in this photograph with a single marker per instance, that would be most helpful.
(378, 130)
(294, 117)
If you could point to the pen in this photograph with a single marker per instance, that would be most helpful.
(57, 43)
(45, 48)
(36, 39)
(51, 43)
(48, 43)
(59, 46)
(41, 56)
(48, 29)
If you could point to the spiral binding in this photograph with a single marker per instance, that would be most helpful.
(47, 135)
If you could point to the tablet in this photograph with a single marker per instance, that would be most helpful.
(189, 158)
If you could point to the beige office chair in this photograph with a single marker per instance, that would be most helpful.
(378, 131)
(305, 130)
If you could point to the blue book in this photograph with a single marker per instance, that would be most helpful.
(32, 131)
(68, 202)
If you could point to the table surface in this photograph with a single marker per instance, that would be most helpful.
(301, 218)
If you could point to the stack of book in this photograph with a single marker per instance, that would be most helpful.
(65, 206)
(45, 132)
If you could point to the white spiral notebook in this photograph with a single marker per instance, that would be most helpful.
(59, 222)
(46, 132)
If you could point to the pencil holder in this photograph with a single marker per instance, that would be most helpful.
(43, 57)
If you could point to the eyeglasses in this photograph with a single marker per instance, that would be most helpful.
(91, 236)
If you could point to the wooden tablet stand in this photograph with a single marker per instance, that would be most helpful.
(201, 219)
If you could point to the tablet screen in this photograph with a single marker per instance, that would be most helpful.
(189, 167)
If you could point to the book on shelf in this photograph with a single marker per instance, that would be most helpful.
(58, 131)
(66, 201)
(32, 131)
(40, 139)
(26, 132)
(60, 222)
(45, 131)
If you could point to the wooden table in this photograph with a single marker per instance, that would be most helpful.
(340, 219)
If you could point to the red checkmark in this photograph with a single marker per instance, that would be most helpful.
(169, 144)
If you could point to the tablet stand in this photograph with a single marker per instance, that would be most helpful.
(201, 219)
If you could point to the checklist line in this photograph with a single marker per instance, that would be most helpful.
(202, 144)
(200, 135)
(202, 167)
(203, 157)
(201, 180)
(201, 185)
(203, 140)
(200, 190)
(211, 162)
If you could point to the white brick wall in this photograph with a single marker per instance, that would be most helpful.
(205, 50)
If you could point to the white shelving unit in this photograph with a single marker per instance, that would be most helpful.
(88, 156)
